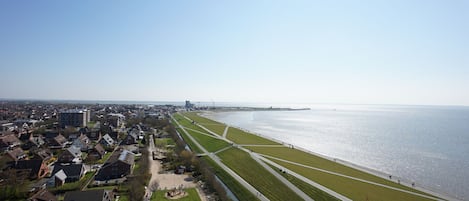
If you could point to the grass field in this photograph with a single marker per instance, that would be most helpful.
(186, 123)
(251, 171)
(209, 143)
(313, 192)
(304, 158)
(164, 141)
(192, 196)
(214, 126)
(240, 137)
(355, 190)
(236, 188)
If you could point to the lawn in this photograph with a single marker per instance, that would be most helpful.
(235, 187)
(192, 196)
(209, 143)
(311, 191)
(164, 141)
(251, 171)
(355, 190)
(304, 158)
(214, 126)
(240, 137)
(186, 123)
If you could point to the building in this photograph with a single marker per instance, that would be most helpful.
(9, 141)
(37, 168)
(70, 155)
(119, 165)
(96, 153)
(107, 141)
(115, 120)
(65, 173)
(91, 195)
(189, 105)
(16, 154)
(57, 142)
(76, 118)
(82, 142)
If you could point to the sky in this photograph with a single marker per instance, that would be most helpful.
(359, 52)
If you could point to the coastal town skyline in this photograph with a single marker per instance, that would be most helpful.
(400, 52)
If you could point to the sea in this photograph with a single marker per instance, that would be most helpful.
(427, 145)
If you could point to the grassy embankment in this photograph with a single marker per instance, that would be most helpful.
(353, 189)
(209, 143)
(240, 162)
(310, 190)
(214, 126)
(235, 187)
(256, 175)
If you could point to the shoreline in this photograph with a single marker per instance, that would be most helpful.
(383, 175)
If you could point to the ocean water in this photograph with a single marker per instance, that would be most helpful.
(428, 145)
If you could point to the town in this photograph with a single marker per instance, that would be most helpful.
(62, 151)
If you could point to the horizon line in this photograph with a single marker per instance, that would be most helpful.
(207, 101)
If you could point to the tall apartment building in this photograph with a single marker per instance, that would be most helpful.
(76, 117)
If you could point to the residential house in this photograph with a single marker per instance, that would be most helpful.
(107, 141)
(97, 152)
(91, 195)
(42, 154)
(70, 155)
(131, 138)
(82, 142)
(119, 165)
(16, 154)
(9, 141)
(65, 173)
(37, 168)
(43, 195)
(57, 142)
(94, 135)
(33, 141)
(114, 135)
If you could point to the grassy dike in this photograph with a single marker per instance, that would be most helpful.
(241, 163)
(353, 189)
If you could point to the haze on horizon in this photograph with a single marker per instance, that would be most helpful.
(380, 52)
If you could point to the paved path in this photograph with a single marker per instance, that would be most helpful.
(225, 131)
(350, 177)
(243, 182)
(222, 149)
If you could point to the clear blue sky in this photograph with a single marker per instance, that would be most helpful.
(383, 52)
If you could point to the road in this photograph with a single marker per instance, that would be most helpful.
(148, 189)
